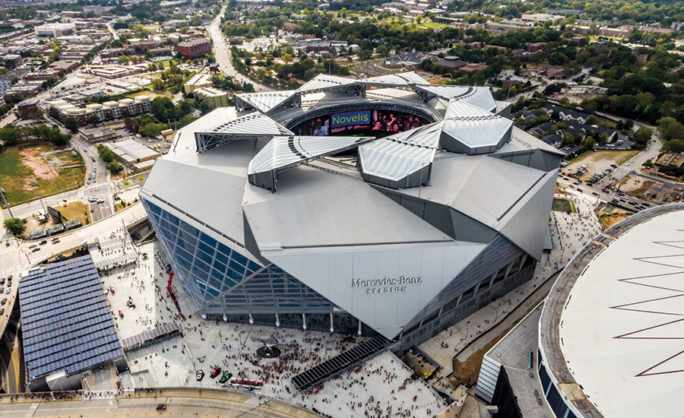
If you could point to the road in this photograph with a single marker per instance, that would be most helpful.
(181, 403)
(222, 53)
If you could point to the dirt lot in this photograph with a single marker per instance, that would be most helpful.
(24, 172)
(610, 215)
(32, 159)
(598, 161)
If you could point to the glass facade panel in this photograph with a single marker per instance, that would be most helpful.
(218, 280)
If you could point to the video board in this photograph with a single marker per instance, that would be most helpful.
(377, 123)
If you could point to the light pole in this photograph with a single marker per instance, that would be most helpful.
(2, 194)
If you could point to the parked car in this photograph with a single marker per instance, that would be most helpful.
(225, 377)
(3, 301)
(43, 242)
(121, 314)
(161, 407)
(35, 250)
(215, 372)
(199, 375)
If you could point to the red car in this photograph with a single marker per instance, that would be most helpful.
(111, 289)
(120, 314)
(215, 372)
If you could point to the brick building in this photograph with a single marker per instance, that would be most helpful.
(194, 48)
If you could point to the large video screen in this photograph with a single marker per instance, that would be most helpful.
(377, 123)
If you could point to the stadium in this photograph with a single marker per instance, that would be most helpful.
(607, 339)
(385, 206)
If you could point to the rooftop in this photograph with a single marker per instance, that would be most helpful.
(610, 331)
(65, 319)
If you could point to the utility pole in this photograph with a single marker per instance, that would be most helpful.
(4, 200)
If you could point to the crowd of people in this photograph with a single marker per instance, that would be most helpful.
(233, 347)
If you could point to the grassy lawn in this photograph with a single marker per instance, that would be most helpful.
(149, 93)
(434, 25)
(595, 38)
(22, 185)
(76, 210)
(617, 157)
(605, 123)
(609, 220)
(563, 205)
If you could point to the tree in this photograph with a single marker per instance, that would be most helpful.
(92, 119)
(105, 153)
(10, 135)
(642, 136)
(365, 54)
(71, 124)
(648, 163)
(382, 50)
(670, 128)
(15, 225)
(114, 168)
(287, 58)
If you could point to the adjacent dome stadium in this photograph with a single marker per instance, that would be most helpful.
(380, 206)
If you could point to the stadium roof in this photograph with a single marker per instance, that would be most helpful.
(478, 96)
(407, 198)
(66, 322)
(402, 79)
(620, 327)
(472, 130)
(265, 101)
(400, 155)
(288, 151)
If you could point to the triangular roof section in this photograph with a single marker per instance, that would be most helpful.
(326, 82)
(265, 101)
(398, 156)
(401, 79)
(283, 152)
(478, 96)
(253, 125)
(469, 129)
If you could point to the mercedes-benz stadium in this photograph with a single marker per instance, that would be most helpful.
(383, 206)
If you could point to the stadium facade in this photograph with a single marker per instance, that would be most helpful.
(379, 206)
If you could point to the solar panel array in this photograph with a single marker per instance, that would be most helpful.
(66, 323)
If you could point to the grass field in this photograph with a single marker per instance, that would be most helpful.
(149, 93)
(563, 205)
(618, 157)
(433, 25)
(76, 210)
(21, 183)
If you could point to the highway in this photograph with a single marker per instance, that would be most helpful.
(222, 53)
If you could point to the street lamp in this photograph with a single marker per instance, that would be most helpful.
(2, 195)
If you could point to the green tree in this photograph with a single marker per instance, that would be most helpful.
(670, 128)
(71, 124)
(15, 225)
(642, 136)
(114, 168)
(10, 135)
(382, 50)
(105, 153)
